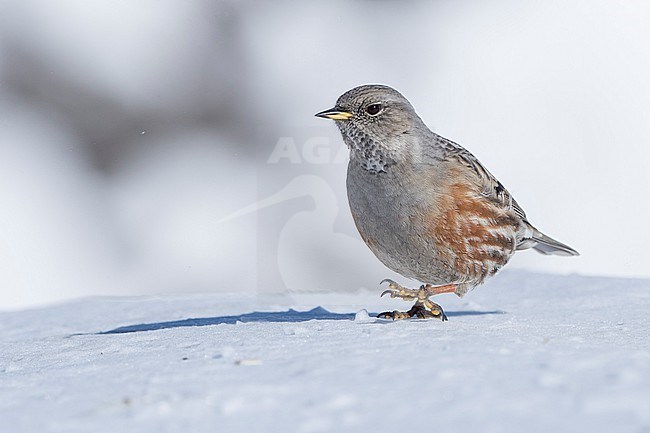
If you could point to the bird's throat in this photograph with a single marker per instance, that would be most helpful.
(371, 155)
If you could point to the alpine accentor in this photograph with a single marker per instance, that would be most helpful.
(424, 205)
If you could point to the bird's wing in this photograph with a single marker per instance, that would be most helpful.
(491, 187)
(527, 235)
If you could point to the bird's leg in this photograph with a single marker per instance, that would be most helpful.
(423, 307)
(439, 290)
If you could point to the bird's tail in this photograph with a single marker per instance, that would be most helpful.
(547, 245)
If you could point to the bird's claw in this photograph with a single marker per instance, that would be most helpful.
(397, 291)
(389, 281)
(419, 311)
(393, 287)
(394, 315)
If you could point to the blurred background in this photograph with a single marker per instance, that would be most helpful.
(157, 147)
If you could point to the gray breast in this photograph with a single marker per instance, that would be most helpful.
(387, 210)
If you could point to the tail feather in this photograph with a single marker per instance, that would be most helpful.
(549, 246)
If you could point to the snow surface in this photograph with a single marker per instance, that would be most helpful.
(524, 353)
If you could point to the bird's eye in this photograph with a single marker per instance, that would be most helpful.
(373, 109)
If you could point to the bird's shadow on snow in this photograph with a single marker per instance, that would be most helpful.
(289, 316)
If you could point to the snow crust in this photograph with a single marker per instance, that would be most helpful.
(526, 352)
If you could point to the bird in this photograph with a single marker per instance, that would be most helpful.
(424, 205)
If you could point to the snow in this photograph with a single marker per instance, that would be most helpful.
(526, 352)
(362, 316)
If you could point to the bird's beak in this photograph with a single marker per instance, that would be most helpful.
(334, 114)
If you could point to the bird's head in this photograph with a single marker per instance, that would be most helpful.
(376, 112)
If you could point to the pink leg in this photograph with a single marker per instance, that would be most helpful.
(439, 290)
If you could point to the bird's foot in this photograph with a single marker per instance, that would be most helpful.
(394, 315)
(423, 308)
(396, 290)
(428, 310)
(422, 294)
